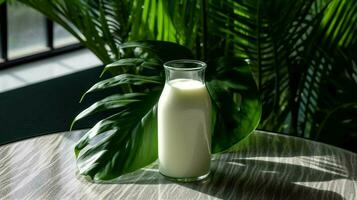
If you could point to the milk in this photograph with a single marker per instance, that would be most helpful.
(184, 129)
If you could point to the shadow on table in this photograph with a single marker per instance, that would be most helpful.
(236, 178)
(252, 179)
(267, 144)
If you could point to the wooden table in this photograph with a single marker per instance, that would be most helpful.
(264, 166)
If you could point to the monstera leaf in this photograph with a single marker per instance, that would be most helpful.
(235, 101)
(127, 140)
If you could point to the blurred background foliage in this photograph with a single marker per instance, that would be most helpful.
(302, 53)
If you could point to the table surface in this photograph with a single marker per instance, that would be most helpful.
(263, 166)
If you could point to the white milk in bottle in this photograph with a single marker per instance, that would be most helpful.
(184, 122)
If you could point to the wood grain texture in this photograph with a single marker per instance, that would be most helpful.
(263, 166)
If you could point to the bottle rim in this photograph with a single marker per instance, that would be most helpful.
(183, 63)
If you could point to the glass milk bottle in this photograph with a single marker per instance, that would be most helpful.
(184, 122)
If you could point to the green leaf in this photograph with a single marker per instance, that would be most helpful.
(164, 51)
(115, 101)
(124, 79)
(236, 102)
(129, 142)
(136, 65)
(153, 21)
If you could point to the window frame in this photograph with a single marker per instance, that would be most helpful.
(50, 51)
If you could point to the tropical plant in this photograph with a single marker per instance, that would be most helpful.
(302, 53)
(126, 138)
(303, 56)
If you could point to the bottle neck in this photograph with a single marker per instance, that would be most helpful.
(197, 74)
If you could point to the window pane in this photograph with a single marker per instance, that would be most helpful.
(26, 30)
(62, 37)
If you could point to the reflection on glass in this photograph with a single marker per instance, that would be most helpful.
(62, 37)
(26, 30)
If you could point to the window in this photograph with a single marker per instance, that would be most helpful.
(27, 35)
(62, 37)
(26, 31)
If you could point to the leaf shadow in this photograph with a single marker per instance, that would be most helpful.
(234, 177)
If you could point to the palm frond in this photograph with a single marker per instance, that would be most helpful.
(291, 47)
(175, 21)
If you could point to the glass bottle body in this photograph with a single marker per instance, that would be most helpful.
(184, 122)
